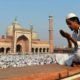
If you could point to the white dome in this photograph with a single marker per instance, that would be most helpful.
(34, 35)
(10, 28)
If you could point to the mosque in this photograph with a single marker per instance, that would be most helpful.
(24, 41)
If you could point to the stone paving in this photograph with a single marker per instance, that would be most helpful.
(39, 72)
(42, 72)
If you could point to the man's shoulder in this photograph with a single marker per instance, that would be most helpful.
(74, 35)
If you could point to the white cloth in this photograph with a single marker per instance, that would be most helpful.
(77, 55)
(77, 37)
(71, 15)
(64, 59)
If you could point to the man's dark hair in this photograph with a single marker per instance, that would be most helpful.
(76, 19)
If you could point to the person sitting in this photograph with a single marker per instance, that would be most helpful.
(73, 23)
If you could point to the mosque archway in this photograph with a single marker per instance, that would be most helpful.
(18, 48)
(2, 50)
(32, 50)
(40, 50)
(7, 50)
(22, 44)
(43, 49)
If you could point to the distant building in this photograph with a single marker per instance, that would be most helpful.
(20, 40)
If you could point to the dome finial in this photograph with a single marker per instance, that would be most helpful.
(15, 20)
(31, 26)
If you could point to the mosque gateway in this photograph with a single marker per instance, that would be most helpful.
(22, 41)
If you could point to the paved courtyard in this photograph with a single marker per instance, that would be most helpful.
(38, 72)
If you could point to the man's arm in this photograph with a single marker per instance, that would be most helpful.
(70, 39)
(69, 43)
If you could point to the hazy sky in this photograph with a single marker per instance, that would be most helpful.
(36, 12)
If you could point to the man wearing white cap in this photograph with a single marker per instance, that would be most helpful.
(74, 24)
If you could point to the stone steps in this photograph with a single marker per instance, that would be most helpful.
(41, 72)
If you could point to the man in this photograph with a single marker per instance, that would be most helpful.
(73, 23)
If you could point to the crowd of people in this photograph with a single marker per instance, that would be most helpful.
(7, 61)
(25, 60)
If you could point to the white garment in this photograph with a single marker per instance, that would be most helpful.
(77, 53)
(77, 37)
(67, 59)
(64, 59)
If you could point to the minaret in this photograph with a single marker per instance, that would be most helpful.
(31, 36)
(13, 42)
(51, 34)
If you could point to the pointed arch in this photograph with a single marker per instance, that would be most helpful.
(23, 43)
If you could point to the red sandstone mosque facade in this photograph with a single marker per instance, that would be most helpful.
(24, 41)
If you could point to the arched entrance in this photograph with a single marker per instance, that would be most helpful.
(18, 48)
(8, 50)
(22, 44)
(2, 50)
